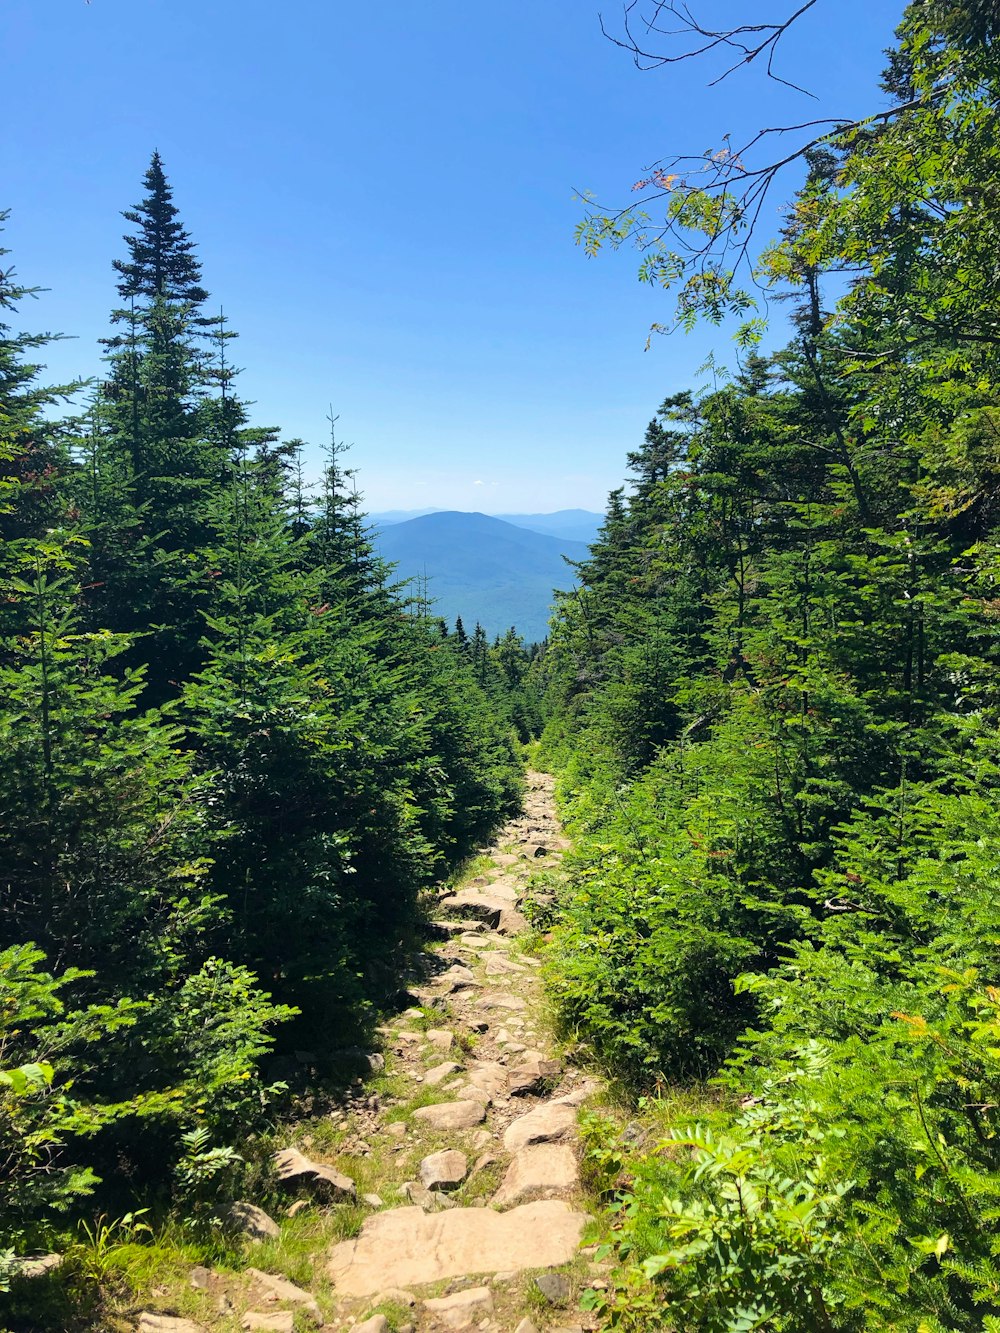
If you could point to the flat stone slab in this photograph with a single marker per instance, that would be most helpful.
(545, 1124)
(512, 1002)
(480, 906)
(536, 1169)
(408, 1247)
(452, 1115)
(440, 1072)
(498, 963)
(490, 1077)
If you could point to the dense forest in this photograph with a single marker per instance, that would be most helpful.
(773, 702)
(234, 753)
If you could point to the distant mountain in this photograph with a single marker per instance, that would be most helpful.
(579, 525)
(391, 516)
(483, 568)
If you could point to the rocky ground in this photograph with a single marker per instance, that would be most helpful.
(445, 1195)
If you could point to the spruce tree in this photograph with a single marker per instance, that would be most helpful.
(164, 439)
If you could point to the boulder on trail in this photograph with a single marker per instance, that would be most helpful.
(452, 1115)
(545, 1124)
(533, 1076)
(283, 1321)
(463, 1309)
(408, 1247)
(295, 1170)
(538, 1169)
(480, 906)
(440, 1072)
(511, 922)
(34, 1265)
(444, 1170)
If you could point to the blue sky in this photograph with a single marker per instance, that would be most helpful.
(383, 201)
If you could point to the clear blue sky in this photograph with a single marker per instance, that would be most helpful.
(382, 198)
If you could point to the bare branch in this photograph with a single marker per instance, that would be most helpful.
(748, 40)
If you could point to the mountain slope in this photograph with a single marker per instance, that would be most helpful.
(578, 525)
(482, 568)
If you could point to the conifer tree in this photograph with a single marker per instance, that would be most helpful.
(163, 440)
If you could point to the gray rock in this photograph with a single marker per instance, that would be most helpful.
(277, 1288)
(35, 1265)
(533, 1076)
(282, 1321)
(444, 1170)
(547, 1123)
(405, 1247)
(253, 1221)
(442, 1039)
(376, 1324)
(418, 1194)
(556, 1288)
(511, 922)
(396, 1296)
(440, 1072)
(538, 1169)
(452, 1115)
(297, 1171)
(463, 1309)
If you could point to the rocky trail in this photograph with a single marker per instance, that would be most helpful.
(461, 1166)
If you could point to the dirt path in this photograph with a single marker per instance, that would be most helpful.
(467, 1151)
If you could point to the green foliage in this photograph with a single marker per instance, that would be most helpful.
(233, 756)
(772, 700)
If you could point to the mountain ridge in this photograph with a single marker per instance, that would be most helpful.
(483, 568)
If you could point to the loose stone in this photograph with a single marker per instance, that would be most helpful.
(296, 1170)
(441, 1039)
(554, 1287)
(280, 1289)
(444, 1170)
(463, 1309)
(533, 1076)
(282, 1322)
(440, 1072)
(376, 1324)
